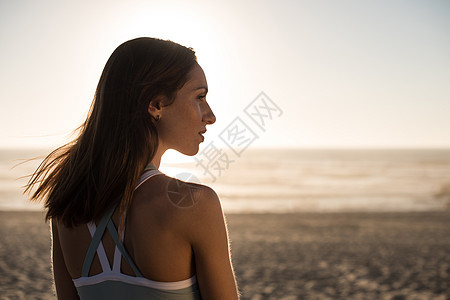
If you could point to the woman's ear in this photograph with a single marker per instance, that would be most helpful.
(155, 107)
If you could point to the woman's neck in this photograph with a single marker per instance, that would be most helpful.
(156, 160)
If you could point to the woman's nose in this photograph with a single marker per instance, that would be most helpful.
(209, 116)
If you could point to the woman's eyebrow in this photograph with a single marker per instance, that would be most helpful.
(202, 87)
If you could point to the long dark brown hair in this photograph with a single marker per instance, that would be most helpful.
(81, 180)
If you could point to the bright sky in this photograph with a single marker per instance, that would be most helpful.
(344, 73)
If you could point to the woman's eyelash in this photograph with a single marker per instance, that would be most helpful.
(201, 97)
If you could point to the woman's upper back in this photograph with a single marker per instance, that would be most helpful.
(175, 232)
(155, 238)
(156, 235)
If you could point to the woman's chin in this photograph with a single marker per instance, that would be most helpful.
(189, 151)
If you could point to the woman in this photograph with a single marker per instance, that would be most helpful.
(122, 229)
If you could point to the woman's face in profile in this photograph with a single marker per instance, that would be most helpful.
(184, 121)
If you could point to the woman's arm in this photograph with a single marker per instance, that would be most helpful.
(63, 282)
(211, 248)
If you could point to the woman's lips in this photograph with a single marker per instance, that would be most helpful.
(201, 134)
(203, 138)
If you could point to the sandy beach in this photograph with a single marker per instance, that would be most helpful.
(282, 256)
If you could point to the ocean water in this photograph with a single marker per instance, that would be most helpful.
(289, 180)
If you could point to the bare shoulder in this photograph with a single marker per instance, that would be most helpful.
(199, 209)
(178, 199)
(198, 198)
(181, 194)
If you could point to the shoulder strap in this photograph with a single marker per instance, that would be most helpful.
(95, 242)
(149, 171)
(150, 167)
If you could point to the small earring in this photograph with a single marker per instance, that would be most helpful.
(157, 118)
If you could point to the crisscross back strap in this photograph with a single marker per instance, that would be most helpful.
(100, 249)
(113, 231)
(106, 222)
(96, 239)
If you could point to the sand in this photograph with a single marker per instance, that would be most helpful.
(282, 256)
(25, 271)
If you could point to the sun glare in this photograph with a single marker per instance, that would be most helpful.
(185, 26)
